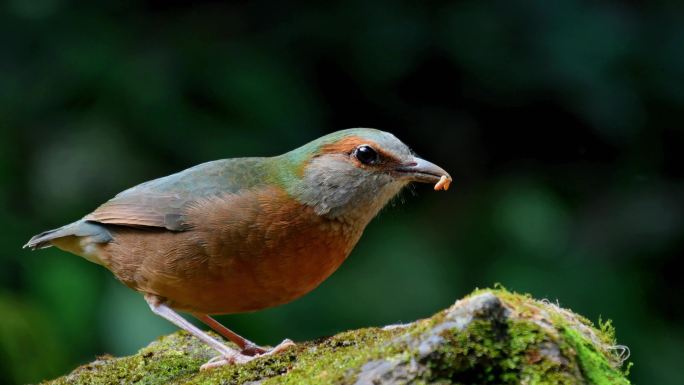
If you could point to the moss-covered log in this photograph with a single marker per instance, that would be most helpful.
(489, 337)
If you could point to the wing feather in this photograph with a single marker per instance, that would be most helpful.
(163, 202)
(155, 210)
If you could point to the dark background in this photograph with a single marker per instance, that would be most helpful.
(560, 121)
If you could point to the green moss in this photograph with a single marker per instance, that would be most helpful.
(594, 364)
(490, 337)
(337, 358)
(170, 358)
(522, 356)
(510, 353)
(607, 331)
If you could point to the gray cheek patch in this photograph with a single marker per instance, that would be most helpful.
(335, 187)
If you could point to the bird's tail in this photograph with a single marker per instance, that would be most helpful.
(42, 240)
(79, 229)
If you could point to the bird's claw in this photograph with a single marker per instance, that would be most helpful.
(286, 344)
(239, 358)
(226, 360)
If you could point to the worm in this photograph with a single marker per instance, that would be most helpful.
(443, 183)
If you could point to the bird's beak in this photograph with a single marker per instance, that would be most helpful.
(420, 170)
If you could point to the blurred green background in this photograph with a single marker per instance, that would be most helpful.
(561, 123)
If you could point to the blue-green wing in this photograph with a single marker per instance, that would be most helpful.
(162, 202)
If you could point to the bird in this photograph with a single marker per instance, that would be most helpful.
(244, 234)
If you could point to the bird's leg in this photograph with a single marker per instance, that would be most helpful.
(227, 356)
(246, 346)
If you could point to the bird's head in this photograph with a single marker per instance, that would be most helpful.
(351, 174)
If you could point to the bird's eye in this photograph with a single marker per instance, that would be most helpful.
(366, 154)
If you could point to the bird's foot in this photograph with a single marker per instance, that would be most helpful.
(221, 360)
(286, 344)
(256, 350)
(246, 355)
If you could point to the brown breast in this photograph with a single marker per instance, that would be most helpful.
(244, 252)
